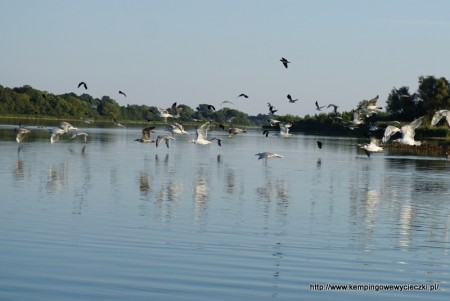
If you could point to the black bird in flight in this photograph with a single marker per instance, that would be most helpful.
(211, 107)
(285, 62)
(266, 133)
(290, 99)
(82, 84)
(243, 95)
(319, 144)
(120, 92)
(271, 109)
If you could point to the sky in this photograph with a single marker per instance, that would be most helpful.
(209, 51)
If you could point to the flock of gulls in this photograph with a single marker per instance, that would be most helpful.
(370, 107)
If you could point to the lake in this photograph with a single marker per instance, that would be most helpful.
(114, 219)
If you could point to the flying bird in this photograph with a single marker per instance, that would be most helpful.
(177, 129)
(243, 95)
(211, 107)
(120, 92)
(285, 62)
(372, 147)
(201, 135)
(438, 116)
(290, 99)
(407, 131)
(82, 84)
(117, 123)
(20, 133)
(334, 107)
(234, 131)
(268, 155)
(319, 108)
(146, 135)
(226, 101)
(166, 138)
(319, 144)
(164, 114)
(266, 133)
(176, 110)
(272, 110)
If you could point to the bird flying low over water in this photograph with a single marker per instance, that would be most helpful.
(268, 155)
(319, 144)
(290, 99)
(164, 114)
(82, 84)
(177, 129)
(201, 135)
(79, 134)
(372, 147)
(407, 131)
(285, 62)
(146, 135)
(166, 138)
(273, 122)
(234, 131)
(117, 123)
(120, 92)
(20, 133)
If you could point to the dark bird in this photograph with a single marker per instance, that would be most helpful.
(120, 92)
(271, 109)
(222, 126)
(211, 107)
(285, 62)
(266, 133)
(290, 99)
(82, 84)
(243, 95)
(319, 144)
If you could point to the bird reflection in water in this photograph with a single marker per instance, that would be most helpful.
(200, 192)
(144, 185)
(18, 167)
(57, 178)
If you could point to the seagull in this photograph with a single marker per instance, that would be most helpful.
(234, 131)
(334, 107)
(271, 109)
(164, 114)
(268, 155)
(118, 124)
(64, 128)
(230, 120)
(319, 144)
(273, 122)
(407, 132)
(79, 134)
(243, 95)
(166, 138)
(177, 129)
(415, 98)
(266, 133)
(146, 135)
(290, 99)
(201, 135)
(319, 108)
(285, 62)
(120, 92)
(226, 101)
(438, 116)
(21, 132)
(372, 147)
(284, 130)
(176, 110)
(82, 84)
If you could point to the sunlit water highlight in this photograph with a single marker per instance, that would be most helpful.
(114, 219)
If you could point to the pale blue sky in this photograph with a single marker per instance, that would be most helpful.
(207, 51)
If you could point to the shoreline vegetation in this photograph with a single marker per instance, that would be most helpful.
(32, 107)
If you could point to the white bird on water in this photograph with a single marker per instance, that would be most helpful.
(268, 155)
(407, 131)
(64, 128)
(284, 130)
(372, 147)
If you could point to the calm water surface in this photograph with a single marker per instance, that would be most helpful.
(114, 219)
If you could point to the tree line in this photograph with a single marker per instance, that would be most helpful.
(402, 105)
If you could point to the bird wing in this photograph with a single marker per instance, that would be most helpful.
(388, 132)
(202, 131)
(146, 132)
(438, 115)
